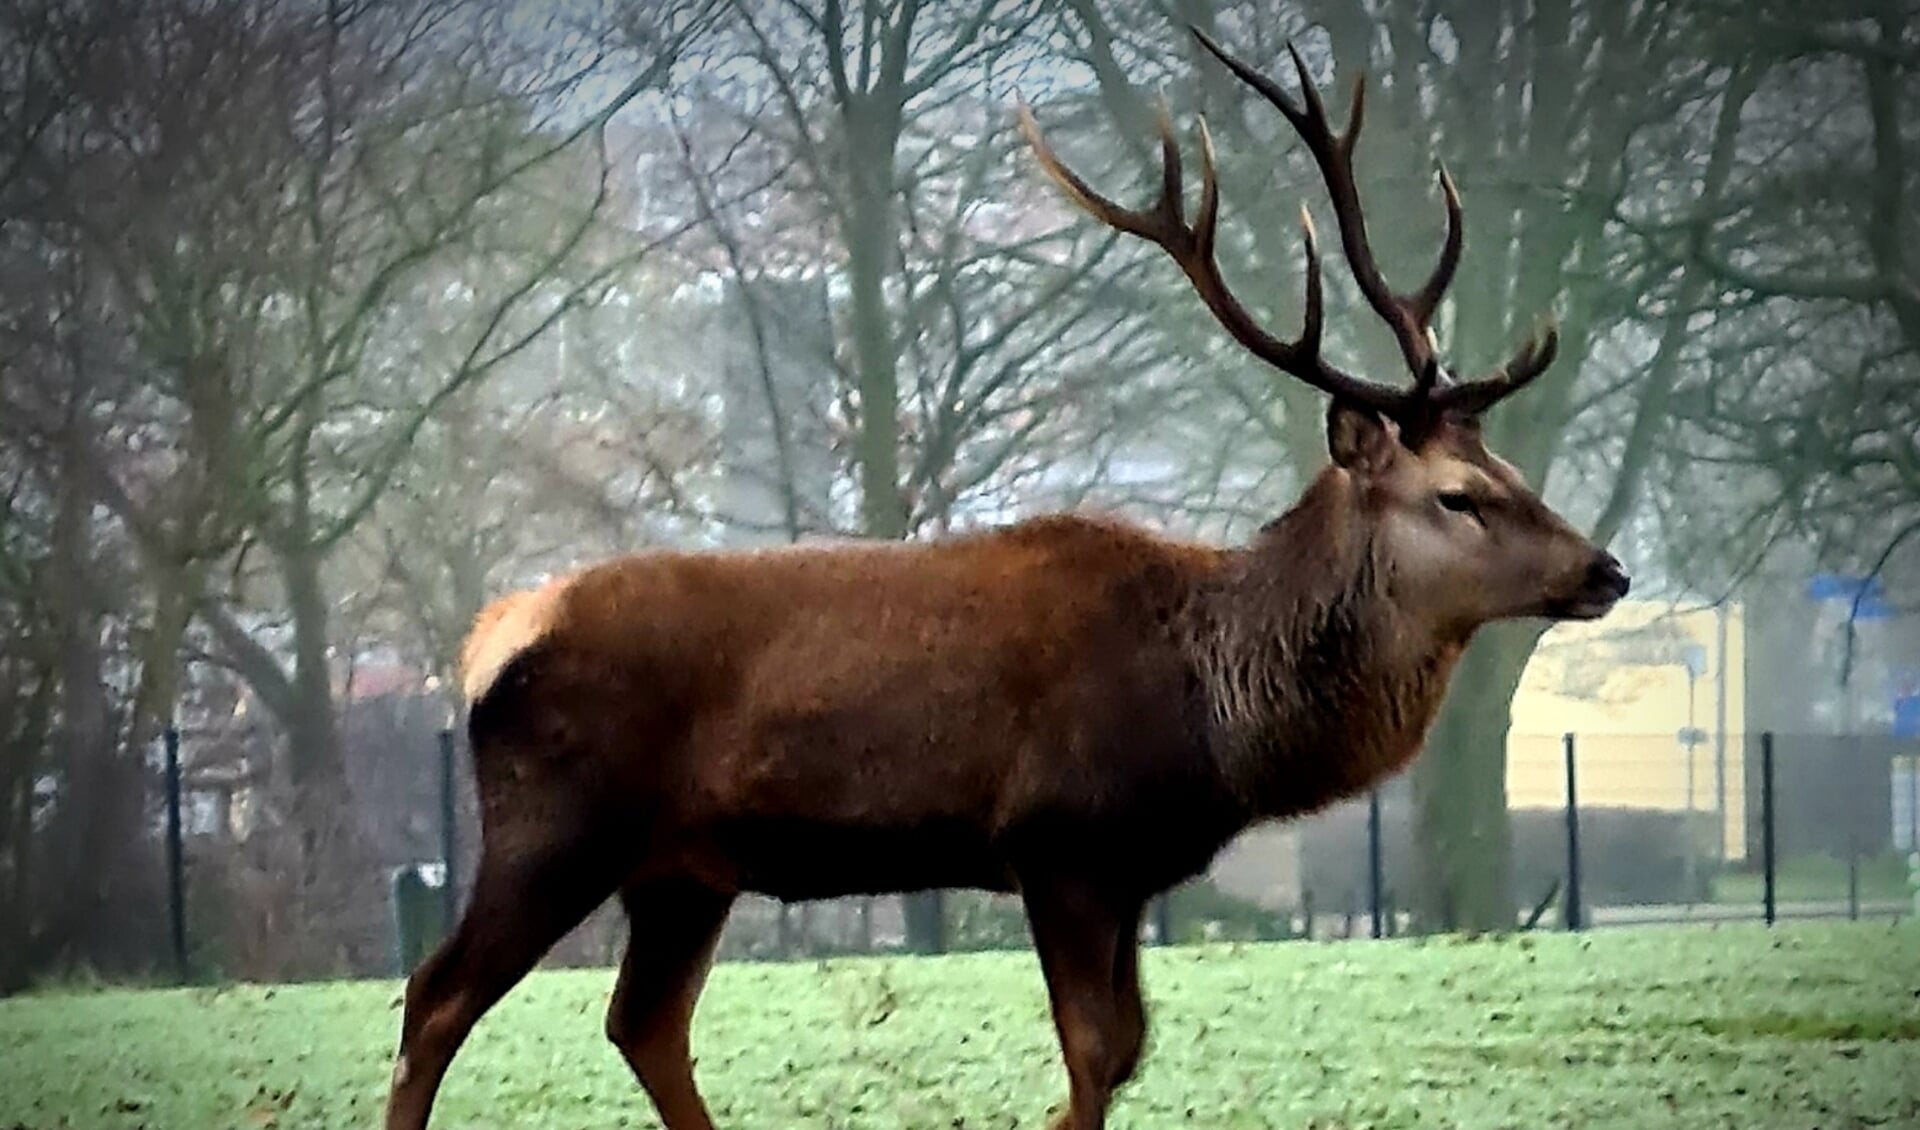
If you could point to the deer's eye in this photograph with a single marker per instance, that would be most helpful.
(1460, 502)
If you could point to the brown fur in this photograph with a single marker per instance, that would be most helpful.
(1318, 683)
(1072, 708)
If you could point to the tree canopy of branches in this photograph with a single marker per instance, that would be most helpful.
(1803, 417)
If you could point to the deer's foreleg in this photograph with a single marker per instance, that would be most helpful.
(1089, 952)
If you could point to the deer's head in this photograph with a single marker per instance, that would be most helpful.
(1464, 539)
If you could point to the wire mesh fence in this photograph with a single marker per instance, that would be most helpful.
(1604, 830)
(1762, 826)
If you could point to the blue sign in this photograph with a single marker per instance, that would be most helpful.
(1833, 586)
(1906, 716)
(1866, 599)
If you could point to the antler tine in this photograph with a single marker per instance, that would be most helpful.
(1529, 361)
(1313, 320)
(1426, 300)
(1316, 110)
(1142, 223)
(1192, 247)
(1172, 176)
(1208, 225)
(1272, 90)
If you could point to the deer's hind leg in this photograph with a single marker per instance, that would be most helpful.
(524, 900)
(674, 928)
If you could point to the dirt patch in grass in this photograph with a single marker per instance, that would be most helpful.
(1860, 1028)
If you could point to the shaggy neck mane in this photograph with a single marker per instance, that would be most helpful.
(1317, 683)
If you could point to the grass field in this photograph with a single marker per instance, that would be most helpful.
(1807, 1026)
(1819, 878)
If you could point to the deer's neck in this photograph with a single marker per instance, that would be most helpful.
(1318, 685)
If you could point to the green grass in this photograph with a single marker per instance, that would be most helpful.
(1813, 1025)
(1818, 878)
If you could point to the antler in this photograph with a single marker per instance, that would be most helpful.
(1192, 247)
(1409, 316)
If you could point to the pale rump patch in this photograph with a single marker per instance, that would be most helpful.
(503, 630)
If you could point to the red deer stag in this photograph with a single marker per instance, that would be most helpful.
(1073, 709)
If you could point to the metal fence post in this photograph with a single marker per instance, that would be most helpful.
(1913, 804)
(1767, 820)
(1376, 884)
(1574, 913)
(1853, 883)
(1163, 918)
(449, 836)
(176, 857)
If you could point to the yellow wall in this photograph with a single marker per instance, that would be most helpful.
(1620, 686)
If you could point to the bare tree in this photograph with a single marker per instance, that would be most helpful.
(260, 207)
(1802, 421)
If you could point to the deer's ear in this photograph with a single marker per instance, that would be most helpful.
(1360, 439)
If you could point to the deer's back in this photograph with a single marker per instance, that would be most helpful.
(926, 705)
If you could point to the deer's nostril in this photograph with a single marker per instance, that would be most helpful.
(1607, 573)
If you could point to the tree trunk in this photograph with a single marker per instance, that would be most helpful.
(159, 687)
(870, 250)
(872, 121)
(98, 823)
(17, 774)
(313, 746)
(313, 753)
(1460, 790)
(925, 914)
